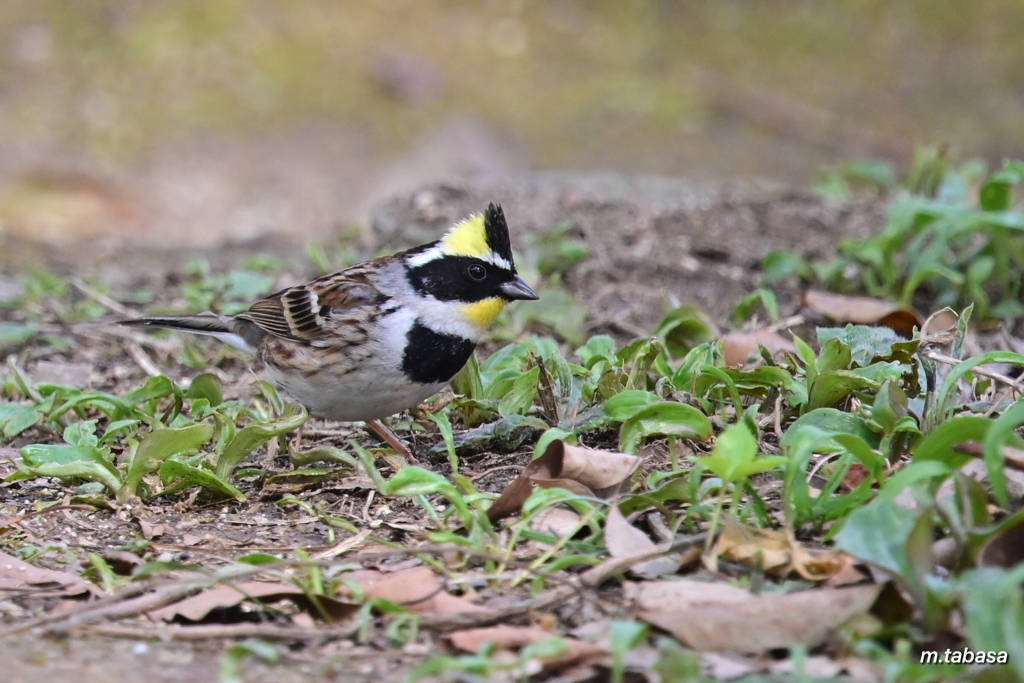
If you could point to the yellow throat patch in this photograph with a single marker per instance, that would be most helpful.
(482, 313)
(468, 238)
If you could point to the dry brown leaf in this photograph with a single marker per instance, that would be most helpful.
(511, 500)
(417, 589)
(151, 531)
(559, 522)
(197, 607)
(819, 565)
(681, 594)
(506, 637)
(739, 347)
(765, 548)
(597, 470)
(584, 471)
(940, 321)
(1005, 549)
(726, 667)
(762, 623)
(854, 477)
(863, 310)
(849, 573)
(776, 552)
(622, 539)
(17, 577)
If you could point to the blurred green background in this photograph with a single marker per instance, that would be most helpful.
(227, 119)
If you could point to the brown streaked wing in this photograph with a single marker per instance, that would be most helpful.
(299, 313)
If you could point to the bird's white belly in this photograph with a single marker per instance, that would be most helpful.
(369, 385)
(362, 394)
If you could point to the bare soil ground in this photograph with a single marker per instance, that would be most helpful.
(656, 242)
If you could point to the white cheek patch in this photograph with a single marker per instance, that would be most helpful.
(446, 317)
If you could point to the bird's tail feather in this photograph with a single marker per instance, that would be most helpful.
(208, 324)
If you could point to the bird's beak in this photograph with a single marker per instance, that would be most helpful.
(517, 289)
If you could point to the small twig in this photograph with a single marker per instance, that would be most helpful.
(821, 463)
(576, 586)
(949, 360)
(786, 323)
(17, 519)
(143, 360)
(492, 470)
(102, 299)
(222, 631)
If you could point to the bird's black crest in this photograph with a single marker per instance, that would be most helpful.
(497, 232)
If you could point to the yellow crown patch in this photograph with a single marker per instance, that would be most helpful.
(467, 238)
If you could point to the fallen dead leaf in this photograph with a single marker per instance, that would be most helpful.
(761, 623)
(622, 539)
(151, 531)
(680, 594)
(776, 552)
(199, 606)
(854, 477)
(739, 347)
(721, 667)
(849, 574)
(585, 471)
(765, 548)
(597, 470)
(559, 522)
(18, 577)
(417, 589)
(863, 310)
(506, 637)
(1004, 549)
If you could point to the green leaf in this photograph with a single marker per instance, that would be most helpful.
(869, 343)
(206, 386)
(418, 481)
(830, 388)
(520, 397)
(252, 436)
(897, 541)
(444, 426)
(748, 306)
(1003, 430)
(154, 388)
(16, 418)
(159, 445)
(598, 347)
(832, 421)
(734, 456)
(683, 329)
(664, 419)
(781, 264)
(15, 334)
(628, 403)
(181, 474)
(993, 610)
(68, 462)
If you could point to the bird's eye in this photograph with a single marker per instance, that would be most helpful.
(477, 272)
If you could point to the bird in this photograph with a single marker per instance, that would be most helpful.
(382, 336)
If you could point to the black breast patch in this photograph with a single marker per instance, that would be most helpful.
(434, 357)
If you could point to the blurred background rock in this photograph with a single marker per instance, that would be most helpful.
(201, 122)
